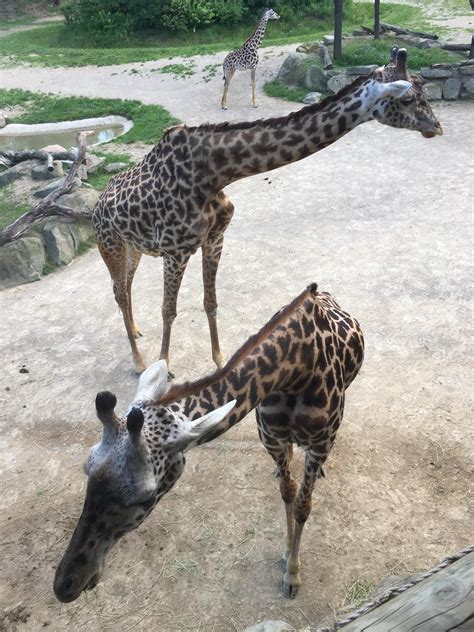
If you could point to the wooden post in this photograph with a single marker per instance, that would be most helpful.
(471, 52)
(338, 28)
(377, 19)
(444, 601)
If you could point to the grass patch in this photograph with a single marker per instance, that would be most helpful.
(101, 178)
(372, 52)
(10, 209)
(56, 45)
(48, 268)
(149, 121)
(210, 71)
(280, 91)
(180, 70)
(358, 592)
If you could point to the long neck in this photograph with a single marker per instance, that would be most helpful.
(234, 151)
(257, 37)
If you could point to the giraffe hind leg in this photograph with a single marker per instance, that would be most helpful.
(116, 260)
(254, 92)
(228, 74)
(134, 257)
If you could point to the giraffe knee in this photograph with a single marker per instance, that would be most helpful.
(168, 315)
(210, 307)
(302, 509)
(287, 490)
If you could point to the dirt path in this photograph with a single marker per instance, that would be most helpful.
(382, 220)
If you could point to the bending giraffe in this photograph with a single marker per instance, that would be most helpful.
(171, 203)
(246, 57)
(294, 372)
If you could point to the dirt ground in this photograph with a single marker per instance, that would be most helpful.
(381, 219)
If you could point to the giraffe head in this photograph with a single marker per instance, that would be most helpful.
(270, 14)
(397, 98)
(129, 471)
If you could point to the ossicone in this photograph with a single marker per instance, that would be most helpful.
(135, 421)
(105, 402)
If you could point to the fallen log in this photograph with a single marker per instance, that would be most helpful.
(437, 601)
(14, 157)
(458, 48)
(48, 206)
(401, 31)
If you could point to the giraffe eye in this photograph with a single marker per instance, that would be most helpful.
(408, 100)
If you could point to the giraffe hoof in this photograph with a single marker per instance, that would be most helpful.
(140, 366)
(255, 105)
(224, 107)
(137, 334)
(289, 590)
(171, 376)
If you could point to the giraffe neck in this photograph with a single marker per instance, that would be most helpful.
(233, 151)
(257, 37)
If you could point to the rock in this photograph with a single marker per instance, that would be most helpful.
(328, 40)
(309, 49)
(16, 172)
(82, 172)
(21, 261)
(115, 167)
(40, 172)
(335, 84)
(315, 79)
(468, 86)
(436, 73)
(466, 70)
(293, 69)
(312, 97)
(429, 43)
(361, 71)
(359, 33)
(93, 162)
(61, 240)
(433, 91)
(3, 121)
(452, 88)
(80, 200)
(42, 193)
(270, 626)
(53, 149)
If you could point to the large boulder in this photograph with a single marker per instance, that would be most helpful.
(452, 88)
(361, 71)
(61, 240)
(338, 82)
(53, 185)
(293, 69)
(433, 91)
(21, 261)
(115, 167)
(17, 171)
(312, 97)
(80, 200)
(93, 162)
(436, 73)
(468, 86)
(467, 70)
(315, 79)
(40, 172)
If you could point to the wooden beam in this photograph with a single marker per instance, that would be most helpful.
(444, 601)
(401, 31)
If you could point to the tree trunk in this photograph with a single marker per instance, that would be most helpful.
(471, 52)
(338, 28)
(377, 19)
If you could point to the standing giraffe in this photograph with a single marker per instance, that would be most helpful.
(246, 57)
(171, 203)
(294, 371)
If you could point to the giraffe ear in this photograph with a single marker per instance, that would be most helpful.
(197, 431)
(152, 383)
(396, 89)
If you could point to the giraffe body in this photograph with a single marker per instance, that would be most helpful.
(172, 202)
(294, 372)
(246, 57)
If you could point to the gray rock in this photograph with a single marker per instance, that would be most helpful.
(115, 167)
(61, 240)
(452, 88)
(53, 149)
(436, 73)
(466, 70)
(270, 626)
(312, 48)
(312, 97)
(429, 43)
(93, 162)
(293, 69)
(21, 261)
(362, 71)
(315, 79)
(359, 33)
(42, 193)
(468, 86)
(433, 91)
(335, 84)
(80, 200)
(82, 172)
(41, 172)
(328, 40)
(16, 172)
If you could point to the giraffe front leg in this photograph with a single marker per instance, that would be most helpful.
(134, 257)
(228, 74)
(211, 254)
(173, 271)
(254, 93)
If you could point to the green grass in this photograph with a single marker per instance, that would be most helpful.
(100, 178)
(10, 209)
(149, 121)
(358, 592)
(372, 52)
(180, 70)
(280, 91)
(56, 45)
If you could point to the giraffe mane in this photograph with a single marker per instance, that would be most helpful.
(180, 391)
(282, 120)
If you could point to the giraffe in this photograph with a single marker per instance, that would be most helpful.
(172, 202)
(293, 372)
(246, 57)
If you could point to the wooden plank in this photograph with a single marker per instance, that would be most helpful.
(441, 603)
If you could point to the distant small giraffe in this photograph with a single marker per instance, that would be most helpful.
(246, 57)
(294, 372)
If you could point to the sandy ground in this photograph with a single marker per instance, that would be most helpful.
(382, 219)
